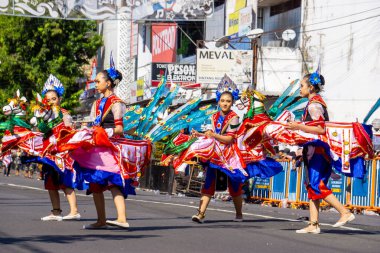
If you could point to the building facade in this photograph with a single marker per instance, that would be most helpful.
(340, 35)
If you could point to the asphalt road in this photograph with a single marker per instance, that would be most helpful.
(161, 223)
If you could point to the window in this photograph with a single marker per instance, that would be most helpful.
(218, 3)
(284, 7)
(195, 30)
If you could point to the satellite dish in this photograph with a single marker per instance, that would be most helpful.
(288, 35)
(222, 41)
(255, 33)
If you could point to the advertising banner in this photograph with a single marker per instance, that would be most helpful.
(245, 21)
(240, 22)
(239, 4)
(233, 23)
(164, 38)
(213, 64)
(182, 74)
(139, 89)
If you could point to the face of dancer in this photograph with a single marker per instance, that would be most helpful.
(101, 83)
(52, 98)
(305, 88)
(225, 103)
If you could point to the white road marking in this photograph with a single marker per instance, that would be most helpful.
(190, 206)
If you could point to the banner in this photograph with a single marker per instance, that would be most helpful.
(140, 89)
(240, 4)
(182, 74)
(245, 21)
(213, 64)
(240, 22)
(233, 23)
(164, 38)
(110, 9)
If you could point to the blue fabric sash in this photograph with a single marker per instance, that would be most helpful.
(219, 124)
(100, 112)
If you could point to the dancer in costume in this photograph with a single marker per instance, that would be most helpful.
(224, 156)
(107, 113)
(316, 154)
(56, 179)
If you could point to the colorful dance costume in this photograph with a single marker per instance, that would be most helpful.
(316, 154)
(226, 125)
(105, 160)
(215, 155)
(57, 166)
(55, 176)
(256, 159)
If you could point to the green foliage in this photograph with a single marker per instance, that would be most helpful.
(32, 48)
(72, 101)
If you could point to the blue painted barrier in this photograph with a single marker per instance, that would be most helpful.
(303, 191)
(361, 188)
(292, 183)
(278, 185)
(261, 188)
(377, 184)
(338, 187)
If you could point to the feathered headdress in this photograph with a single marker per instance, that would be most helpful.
(226, 84)
(53, 84)
(112, 70)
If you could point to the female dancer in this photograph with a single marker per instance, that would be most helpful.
(107, 113)
(53, 91)
(316, 154)
(224, 126)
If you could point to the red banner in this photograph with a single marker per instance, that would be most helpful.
(164, 38)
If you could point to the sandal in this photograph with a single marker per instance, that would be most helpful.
(307, 230)
(198, 217)
(118, 224)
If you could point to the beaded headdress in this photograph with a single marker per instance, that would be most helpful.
(53, 84)
(226, 84)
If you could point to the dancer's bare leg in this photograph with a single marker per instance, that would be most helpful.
(72, 199)
(55, 202)
(334, 202)
(100, 209)
(238, 203)
(119, 201)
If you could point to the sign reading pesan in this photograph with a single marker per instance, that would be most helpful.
(182, 74)
(213, 64)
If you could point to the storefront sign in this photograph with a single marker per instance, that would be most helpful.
(182, 74)
(240, 22)
(213, 64)
(164, 37)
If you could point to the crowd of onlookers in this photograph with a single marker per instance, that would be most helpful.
(14, 165)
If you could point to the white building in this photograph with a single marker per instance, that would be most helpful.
(343, 35)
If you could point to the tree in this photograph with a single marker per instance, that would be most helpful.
(33, 48)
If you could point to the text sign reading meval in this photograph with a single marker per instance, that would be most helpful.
(182, 74)
(213, 64)
(110, 9)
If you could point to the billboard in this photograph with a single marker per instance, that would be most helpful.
(240, 22)
(164, 38)
(182, 74)
(213, 64)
